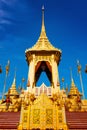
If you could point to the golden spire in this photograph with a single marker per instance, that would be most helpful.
(43, 41)
(14, 81)
(72, 83)
(73, 90)
(43, 26)
(13, 90)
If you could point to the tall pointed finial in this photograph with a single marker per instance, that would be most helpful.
(71, 74)
(43, 14)
(15, 73)
(43, 27)
(14, 80)
(72, 80)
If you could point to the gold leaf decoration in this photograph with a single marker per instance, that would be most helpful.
(36, 116)
(49, 116)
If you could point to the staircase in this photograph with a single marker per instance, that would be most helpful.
(9, 120)
(76, 120)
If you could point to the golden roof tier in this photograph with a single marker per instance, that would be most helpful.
(74, 90)
(43, 43)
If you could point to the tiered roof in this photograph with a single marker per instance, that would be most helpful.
(43, 43)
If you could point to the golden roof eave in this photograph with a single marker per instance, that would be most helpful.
(43, 50)
(43, 44)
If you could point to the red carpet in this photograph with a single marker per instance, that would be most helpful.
(76, 120)
(9, 120)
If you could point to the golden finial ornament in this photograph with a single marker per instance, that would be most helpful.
(7, 67)
(80, 75)
(23, 79)
(79, 66)
(63, 79)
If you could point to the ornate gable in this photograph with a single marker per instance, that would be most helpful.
(43, 100)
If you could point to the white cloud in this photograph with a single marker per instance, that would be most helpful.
(4, 21)
(8, 2)
(3, 13)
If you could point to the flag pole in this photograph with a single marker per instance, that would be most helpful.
(63, 82)
(4, 87)
(80, 75)
(6, 75)
(23, 80)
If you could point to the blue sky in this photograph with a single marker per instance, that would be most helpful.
(66, 27)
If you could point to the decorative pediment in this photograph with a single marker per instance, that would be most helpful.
(43, 100)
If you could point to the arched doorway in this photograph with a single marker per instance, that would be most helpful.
(43, 66)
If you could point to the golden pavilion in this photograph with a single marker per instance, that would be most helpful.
(43, 107)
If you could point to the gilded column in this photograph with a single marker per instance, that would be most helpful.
(31, 73)
(55, 75)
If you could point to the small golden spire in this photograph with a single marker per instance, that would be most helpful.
(14, 83)
(13, 90)
(14, 80)
(73, 90)
(72, 80)
(72, 83)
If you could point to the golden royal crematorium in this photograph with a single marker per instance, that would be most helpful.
(43, 107)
